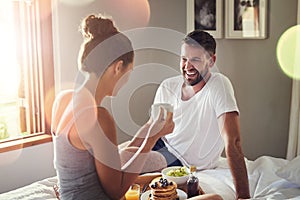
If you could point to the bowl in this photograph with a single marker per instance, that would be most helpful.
(179, 180)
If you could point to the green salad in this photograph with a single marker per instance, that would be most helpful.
(178, 172)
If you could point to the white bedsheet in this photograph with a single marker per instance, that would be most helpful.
(264, 183)
(40, 190)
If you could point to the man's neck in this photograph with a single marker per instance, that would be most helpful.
(189, 91)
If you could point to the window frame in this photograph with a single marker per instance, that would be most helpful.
(40, 11)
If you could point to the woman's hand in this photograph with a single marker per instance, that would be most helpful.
(161, 126)
(153, 130)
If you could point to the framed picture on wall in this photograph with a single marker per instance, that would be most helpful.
(246, 19)
(205, 15)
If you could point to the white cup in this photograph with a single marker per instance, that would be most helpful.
(155, 108)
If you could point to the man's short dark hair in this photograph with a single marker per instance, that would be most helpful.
(202, 38)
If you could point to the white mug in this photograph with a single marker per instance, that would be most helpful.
(155, 108)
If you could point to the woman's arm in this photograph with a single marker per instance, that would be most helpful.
(114, 180)
(139, 137)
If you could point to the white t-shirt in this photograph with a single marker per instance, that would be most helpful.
(196, 139)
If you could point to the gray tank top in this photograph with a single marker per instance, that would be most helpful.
(76, 170)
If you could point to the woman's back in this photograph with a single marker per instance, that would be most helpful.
(75, 167)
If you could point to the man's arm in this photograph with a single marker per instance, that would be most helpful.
(230, 131)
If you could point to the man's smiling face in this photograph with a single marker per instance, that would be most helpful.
(194, 63)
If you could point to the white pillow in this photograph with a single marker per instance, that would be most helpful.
(291, 171)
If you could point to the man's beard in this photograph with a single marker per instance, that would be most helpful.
(199, 78)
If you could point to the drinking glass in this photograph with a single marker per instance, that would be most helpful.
(133, 192)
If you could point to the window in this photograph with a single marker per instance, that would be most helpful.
(27, 80)
(9, 76)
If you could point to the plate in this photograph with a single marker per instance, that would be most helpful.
(181, 194)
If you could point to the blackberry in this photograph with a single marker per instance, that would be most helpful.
(161, 180)
(154, 186)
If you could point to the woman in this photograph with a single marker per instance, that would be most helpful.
(88, 162)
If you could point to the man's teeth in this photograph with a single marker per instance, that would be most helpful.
(190, 73)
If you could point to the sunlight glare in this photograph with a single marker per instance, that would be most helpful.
(129, 13)
(288, 47)
(9, 71)
(9, 76)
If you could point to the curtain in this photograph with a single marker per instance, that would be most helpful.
(294, 130)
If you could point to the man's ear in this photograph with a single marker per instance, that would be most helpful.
(212, 60)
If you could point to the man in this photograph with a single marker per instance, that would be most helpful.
(206, 115)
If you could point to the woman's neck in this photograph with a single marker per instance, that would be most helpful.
(93, 85)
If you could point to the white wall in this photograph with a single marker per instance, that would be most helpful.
(262, 90)
(24, 166)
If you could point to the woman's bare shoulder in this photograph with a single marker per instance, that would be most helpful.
(107, 123)
(61, 102)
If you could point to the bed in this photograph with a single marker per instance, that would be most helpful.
(40, 190)
(269, 178)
